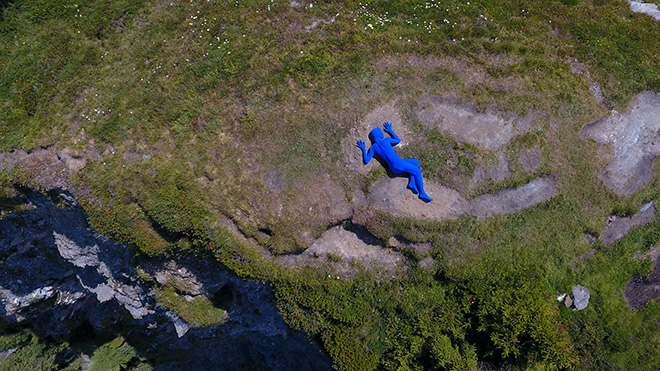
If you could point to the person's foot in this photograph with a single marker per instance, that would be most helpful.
(413, 187)
(425, 197)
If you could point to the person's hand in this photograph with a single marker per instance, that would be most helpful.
(388, 127)
(361, 145)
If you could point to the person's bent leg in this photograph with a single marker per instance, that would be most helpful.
(420, 186)
(412, 185)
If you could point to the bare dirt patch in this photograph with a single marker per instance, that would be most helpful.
(617, 227)
(489, 130)
(401, 243)
(427, 63)
(498, 171)
(374, 119)
(643, 289)
(631, 140)
(390, 195)
(530, 158)
(47, 166)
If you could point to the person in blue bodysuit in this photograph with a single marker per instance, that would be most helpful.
(383, 148)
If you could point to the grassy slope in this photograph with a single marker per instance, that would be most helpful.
(208, 96)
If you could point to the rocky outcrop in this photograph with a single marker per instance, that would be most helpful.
(489, 130)
(60, 276)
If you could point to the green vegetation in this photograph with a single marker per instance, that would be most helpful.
(114, 356)
(198, 311)
(190, 104)
(24, 350)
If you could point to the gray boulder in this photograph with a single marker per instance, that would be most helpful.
(580, 297)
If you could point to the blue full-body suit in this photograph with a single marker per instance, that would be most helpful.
(383, 148)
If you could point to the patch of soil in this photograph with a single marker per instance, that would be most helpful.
(617, 227)
(392, 196)
(489, 130)
(374, 119)
(274, 180)
(318, 205)
(45, 166)
(499, 171)
(427, 63)
(632, 139)
(640, 290)
(402, 243)
(530, 158)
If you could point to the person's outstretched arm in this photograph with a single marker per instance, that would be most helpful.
(395, 138)
(366, 155)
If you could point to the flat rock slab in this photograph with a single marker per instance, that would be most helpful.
(632, 140)
(514, 199)
(391, 195)
(618, 227)
(489, 130)
(339, 248)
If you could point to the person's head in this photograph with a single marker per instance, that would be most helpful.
(377, 134)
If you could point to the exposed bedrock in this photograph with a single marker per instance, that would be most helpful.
(489, 130)
(58, 275)
(631, 140)
(617, 227)
(392, 196)
(344, 249)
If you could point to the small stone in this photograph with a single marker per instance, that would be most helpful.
(568, 301)
(181, 327)
(581, 295)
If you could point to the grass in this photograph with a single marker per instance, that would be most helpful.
(191, 103)
(199, 311)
